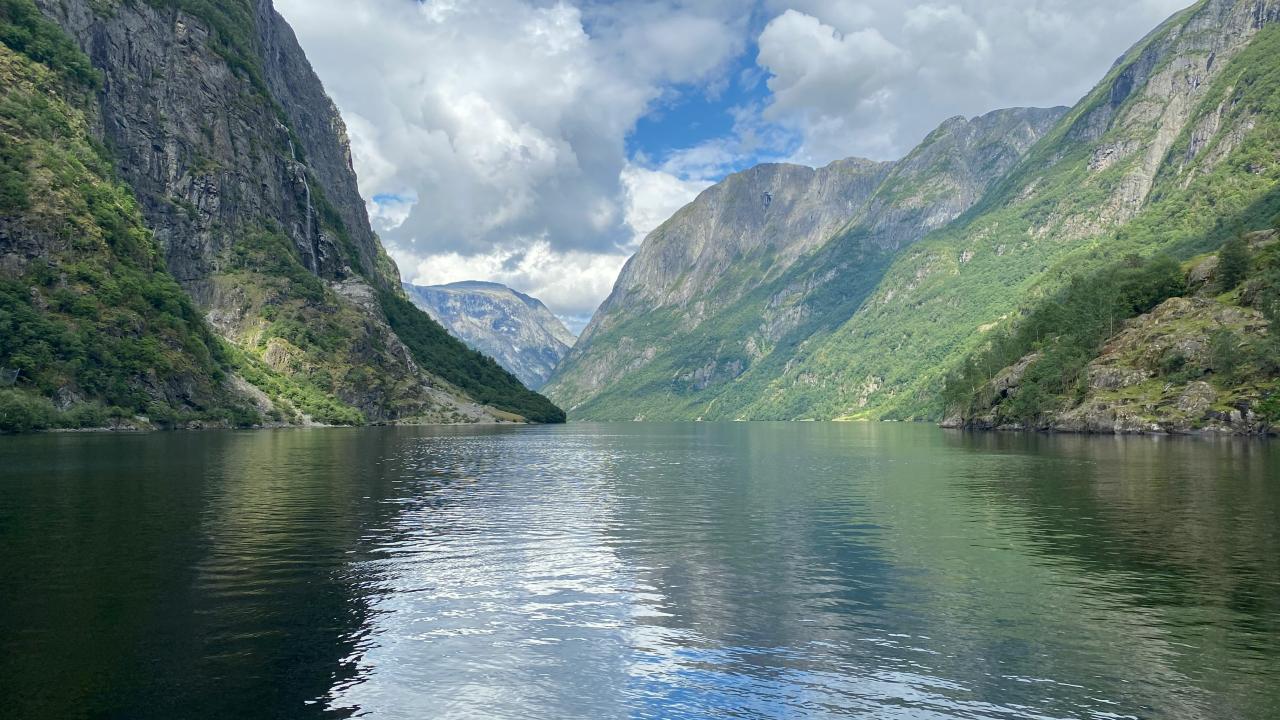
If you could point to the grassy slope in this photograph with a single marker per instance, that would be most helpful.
(932, 309)
(308, 319)
(663, 390)
(475, 373)
(1216, 335)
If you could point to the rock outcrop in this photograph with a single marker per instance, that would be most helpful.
(1127, 392)
(1170, 153)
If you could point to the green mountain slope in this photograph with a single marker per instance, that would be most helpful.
(719, 300)
(1202, 355)
(1175, 152)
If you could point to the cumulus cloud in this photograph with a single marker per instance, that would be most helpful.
(490, 136)
(482, 129)
(872, 78)
(571, 283)
(653, 196)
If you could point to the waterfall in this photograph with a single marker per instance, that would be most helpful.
(306, 183)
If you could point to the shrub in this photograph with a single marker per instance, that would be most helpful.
(24, 29)
(1269, 407)
(22, 412)
(1068, 328)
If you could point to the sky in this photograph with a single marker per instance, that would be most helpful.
(536, 143)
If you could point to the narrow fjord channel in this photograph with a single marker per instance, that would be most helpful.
(638, 571)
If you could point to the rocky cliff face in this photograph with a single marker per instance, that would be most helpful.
(718, 299)
(516, 330)
(240, 165)
(1174, 151)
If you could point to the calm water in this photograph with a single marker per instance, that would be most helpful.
(638, 571)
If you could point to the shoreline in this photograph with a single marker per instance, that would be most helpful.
(131, 429)
(1204, 433)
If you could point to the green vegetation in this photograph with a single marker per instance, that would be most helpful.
(474, 373)
(740, 359)
(1067, 330)
(24, 30)
(233, 25)
(1052, 220)
(1233, 264)
(715, 349)
(1227, 355)
(101, 332)
(92, 318)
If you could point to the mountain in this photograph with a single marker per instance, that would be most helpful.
(183, 240)
(1172, 154)
(719, 299)
(516, 330)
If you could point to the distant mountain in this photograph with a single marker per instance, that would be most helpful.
(722, 297)
(516, 330)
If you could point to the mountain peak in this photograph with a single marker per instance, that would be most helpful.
(516, 330)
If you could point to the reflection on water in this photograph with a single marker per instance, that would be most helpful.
(639, 571)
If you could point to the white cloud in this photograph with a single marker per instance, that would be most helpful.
(478, 125)
(505, 118)
(872, 78)
(490, 136)
(829, 82)
(653, 196)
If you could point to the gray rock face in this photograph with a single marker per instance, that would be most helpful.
(770, 254)
(775, 211)
(516, 330)
(224, 143)
(1126, 394)
(204, 147)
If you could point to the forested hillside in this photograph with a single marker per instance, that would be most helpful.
(1174, 153)
(720, 300)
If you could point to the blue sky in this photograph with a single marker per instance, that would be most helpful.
(535, 142)
(693, 115)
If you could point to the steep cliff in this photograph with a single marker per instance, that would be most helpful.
(92, 328)
(239, 162)
(1174, 151)
(721, 297)
(516, 330)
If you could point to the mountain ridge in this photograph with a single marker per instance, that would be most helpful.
(515, 329)
(878, 208)
(1172, 152)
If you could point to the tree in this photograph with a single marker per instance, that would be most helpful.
(1226, 355)
(1233, 264)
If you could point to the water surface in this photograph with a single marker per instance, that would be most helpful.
(638, 571)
